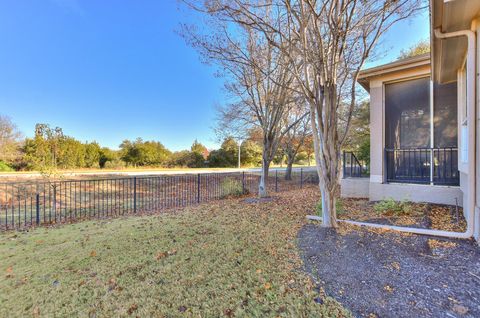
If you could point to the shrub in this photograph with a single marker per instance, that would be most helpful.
(5, 167)
(186, 158)
(392, 206)
(114, 164)
(231, 187)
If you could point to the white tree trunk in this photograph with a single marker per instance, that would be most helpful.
(327, 155)
(288, 172)
(329, 211)
(262, 186)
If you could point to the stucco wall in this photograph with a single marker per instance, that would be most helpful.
(355, 188)
(416, 193)
(376, 131)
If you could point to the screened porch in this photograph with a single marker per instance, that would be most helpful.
(421, 132)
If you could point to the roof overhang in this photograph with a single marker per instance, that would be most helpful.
(367, 75)
(448, 55)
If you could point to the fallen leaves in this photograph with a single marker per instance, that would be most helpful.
(132, 309)
(161, 255)
(435, 244)
(435, 216)
(9, 272)
(445, 218)
(36, 312)
(388, 288)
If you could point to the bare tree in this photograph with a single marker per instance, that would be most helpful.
(326, 43)
(299, 122)
(10, 140)
(257, 79)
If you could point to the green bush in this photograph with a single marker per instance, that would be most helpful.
(392, 206)
(5, 167)
(114, 164)
(231, 187)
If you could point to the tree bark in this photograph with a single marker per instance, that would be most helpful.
(262, 187)
(288, 172)
(327, 152)
(329, 211)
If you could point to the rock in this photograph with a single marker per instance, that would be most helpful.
(459, 309)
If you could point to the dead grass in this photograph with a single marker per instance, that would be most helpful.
(225, 258)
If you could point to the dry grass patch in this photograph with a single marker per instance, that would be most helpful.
(225, 258)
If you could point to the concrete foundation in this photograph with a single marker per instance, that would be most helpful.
(364, 188)
(355, 188)
(416, 193)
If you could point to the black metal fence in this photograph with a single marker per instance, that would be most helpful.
(25, 204)
(415, 166)
(352, 167)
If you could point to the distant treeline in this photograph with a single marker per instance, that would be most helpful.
(50, 148)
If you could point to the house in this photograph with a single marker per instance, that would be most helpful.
(424, 120)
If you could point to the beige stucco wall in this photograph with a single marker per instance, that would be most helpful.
(355, 188)
(416, 193)
(477, 177)
(376, 132)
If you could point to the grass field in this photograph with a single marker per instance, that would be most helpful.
(225, 258)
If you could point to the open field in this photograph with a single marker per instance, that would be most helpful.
(108, 173)
(33, 203)
(225, 258)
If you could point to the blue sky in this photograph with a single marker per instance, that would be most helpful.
(112, 70)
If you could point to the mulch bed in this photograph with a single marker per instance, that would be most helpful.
(387, 274)
(420, 215)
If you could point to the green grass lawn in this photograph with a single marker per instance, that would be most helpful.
(226, 258)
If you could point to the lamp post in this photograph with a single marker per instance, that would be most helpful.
(239, 153)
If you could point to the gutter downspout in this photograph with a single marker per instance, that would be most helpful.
(471, 70)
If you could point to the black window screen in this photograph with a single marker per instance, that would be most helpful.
(407, 114)
(445, 115)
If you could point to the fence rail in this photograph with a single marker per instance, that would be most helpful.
(352, 167)
(423, 165)
(25, 204)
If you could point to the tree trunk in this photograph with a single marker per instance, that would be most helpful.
(288, 172)
(329, 211)
(327, 153)
(290, 160)
(262, 187)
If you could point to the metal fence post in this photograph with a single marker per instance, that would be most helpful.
(37, 208)
(301, 178)
(198, 188)
(243, 182)
(134, 194)
(276, 180)
(55, 202)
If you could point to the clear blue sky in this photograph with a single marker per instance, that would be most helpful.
(112, 70)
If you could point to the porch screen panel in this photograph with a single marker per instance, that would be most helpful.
(445, 134)
(407, 131)
(445, 130)
(407, 114)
